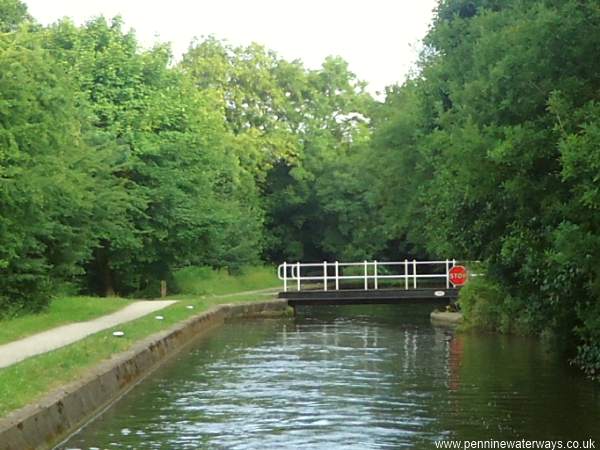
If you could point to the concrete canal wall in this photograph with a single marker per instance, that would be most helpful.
(446, 318)
(46, 423)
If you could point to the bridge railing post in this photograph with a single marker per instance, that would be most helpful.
(414, 273)
(366, 279)
(324, 275)
(298, 273)
(406, 274)
(447, 274)
(337, 276)
(284, 276)
(375, 273)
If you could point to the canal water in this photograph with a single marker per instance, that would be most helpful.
(349, 377)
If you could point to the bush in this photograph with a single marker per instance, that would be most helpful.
(588, 351)
(483, 303)
(23, 293)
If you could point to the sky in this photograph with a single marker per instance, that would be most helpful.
(380, 39)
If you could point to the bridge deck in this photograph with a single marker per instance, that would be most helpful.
(359, 296)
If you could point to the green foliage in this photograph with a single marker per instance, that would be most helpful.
(313, 205)
(183, 184)
(208, 281)
(118, 167)
(487, 305)
(491, 153)
(588, 333)
(48, 175)
(295, 132)
(12, 14)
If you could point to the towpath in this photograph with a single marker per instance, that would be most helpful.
(46, 341)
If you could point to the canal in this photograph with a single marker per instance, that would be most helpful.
(349, 377)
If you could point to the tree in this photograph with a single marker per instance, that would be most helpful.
(291, 128)
(48, 175)
(12, 14)
(498, 131)
(181, 179)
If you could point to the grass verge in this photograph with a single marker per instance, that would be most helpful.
(60, 312)
(31, 379)
(207, 281)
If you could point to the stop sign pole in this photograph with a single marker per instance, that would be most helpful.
(458, 275)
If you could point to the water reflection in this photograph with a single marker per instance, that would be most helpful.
(360, 377)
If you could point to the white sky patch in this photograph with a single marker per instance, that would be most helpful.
(380, 39)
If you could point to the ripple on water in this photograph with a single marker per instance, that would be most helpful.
(348, 381)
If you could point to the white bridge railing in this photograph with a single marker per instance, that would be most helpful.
(331, 273)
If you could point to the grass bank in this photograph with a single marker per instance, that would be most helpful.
(207, 281)
(29, 380)
(193, 282)
(60, 312)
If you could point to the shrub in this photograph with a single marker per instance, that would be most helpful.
(588, 351)
(483, 304)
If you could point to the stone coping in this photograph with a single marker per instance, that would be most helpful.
(446, 318)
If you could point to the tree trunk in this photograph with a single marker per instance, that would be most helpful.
(105, 282)
(109, 290)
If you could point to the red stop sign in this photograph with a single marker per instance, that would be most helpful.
(458, 275)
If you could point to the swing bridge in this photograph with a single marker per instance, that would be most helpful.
(371, 282)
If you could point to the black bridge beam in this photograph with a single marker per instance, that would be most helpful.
(360, 297)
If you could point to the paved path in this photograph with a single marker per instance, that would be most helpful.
(16, 351)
